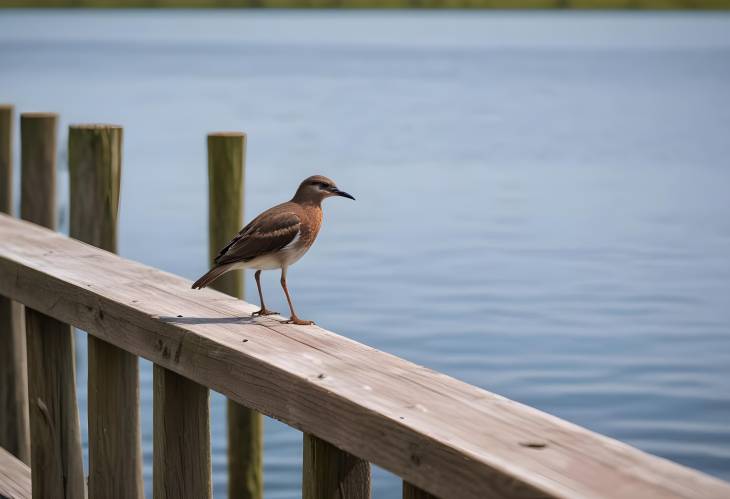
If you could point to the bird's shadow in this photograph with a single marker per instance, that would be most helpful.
(207, 320)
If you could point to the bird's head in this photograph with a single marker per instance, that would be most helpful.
(316, 188)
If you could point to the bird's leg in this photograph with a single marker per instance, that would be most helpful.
(294, 319)
(264, 310)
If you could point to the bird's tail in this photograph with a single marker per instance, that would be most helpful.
(211, 276)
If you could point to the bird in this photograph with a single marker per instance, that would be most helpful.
(276, 239)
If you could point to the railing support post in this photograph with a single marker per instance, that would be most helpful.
(226, 172)
(14, 429)
(115, 454)
(56, 465)
(333, 473)
(413, 492)
(182, 464)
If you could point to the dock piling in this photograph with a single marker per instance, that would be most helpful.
(115, 454)
(226, 174)
(56, 465)
(14, 425)
(7, 114)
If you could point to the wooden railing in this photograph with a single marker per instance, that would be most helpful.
(354, 404)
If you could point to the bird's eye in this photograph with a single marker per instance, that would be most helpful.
(322, 185)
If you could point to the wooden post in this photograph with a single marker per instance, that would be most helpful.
(226, 172)
(38, 168)
(413, 492)
(14, 429)
(226, 159)
(115, 453)
(333, 473)
(6, 159)
(56, 465)
(182, 465)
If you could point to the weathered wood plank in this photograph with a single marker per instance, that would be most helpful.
(56, 466)
(15, 482)
(226, 173)
(446, 437)
(14, 425)
(182, 465)
(331, 473)
(115, 452)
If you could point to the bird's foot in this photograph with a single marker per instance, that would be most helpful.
(299, 322)
(264, 312)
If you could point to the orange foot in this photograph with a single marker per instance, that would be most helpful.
(263, 312)
(299, 322)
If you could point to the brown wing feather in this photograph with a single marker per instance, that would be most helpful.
(270, 231)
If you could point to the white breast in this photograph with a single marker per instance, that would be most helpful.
(282, 258)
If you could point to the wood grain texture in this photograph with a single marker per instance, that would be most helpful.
(115, 452)
(56, 466)
(444, 436)
(413, 492)
(245, 451)
(14, 425)
(15, 480)
(38, 168)
(331, 473)
(95, 171)
(226, 174)
(6, 158)
(226, 159)
(182, 465)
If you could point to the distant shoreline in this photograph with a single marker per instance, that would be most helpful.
(380, 4)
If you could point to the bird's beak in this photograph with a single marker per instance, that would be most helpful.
(338, 192)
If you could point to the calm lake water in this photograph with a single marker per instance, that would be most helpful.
(542, 198)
